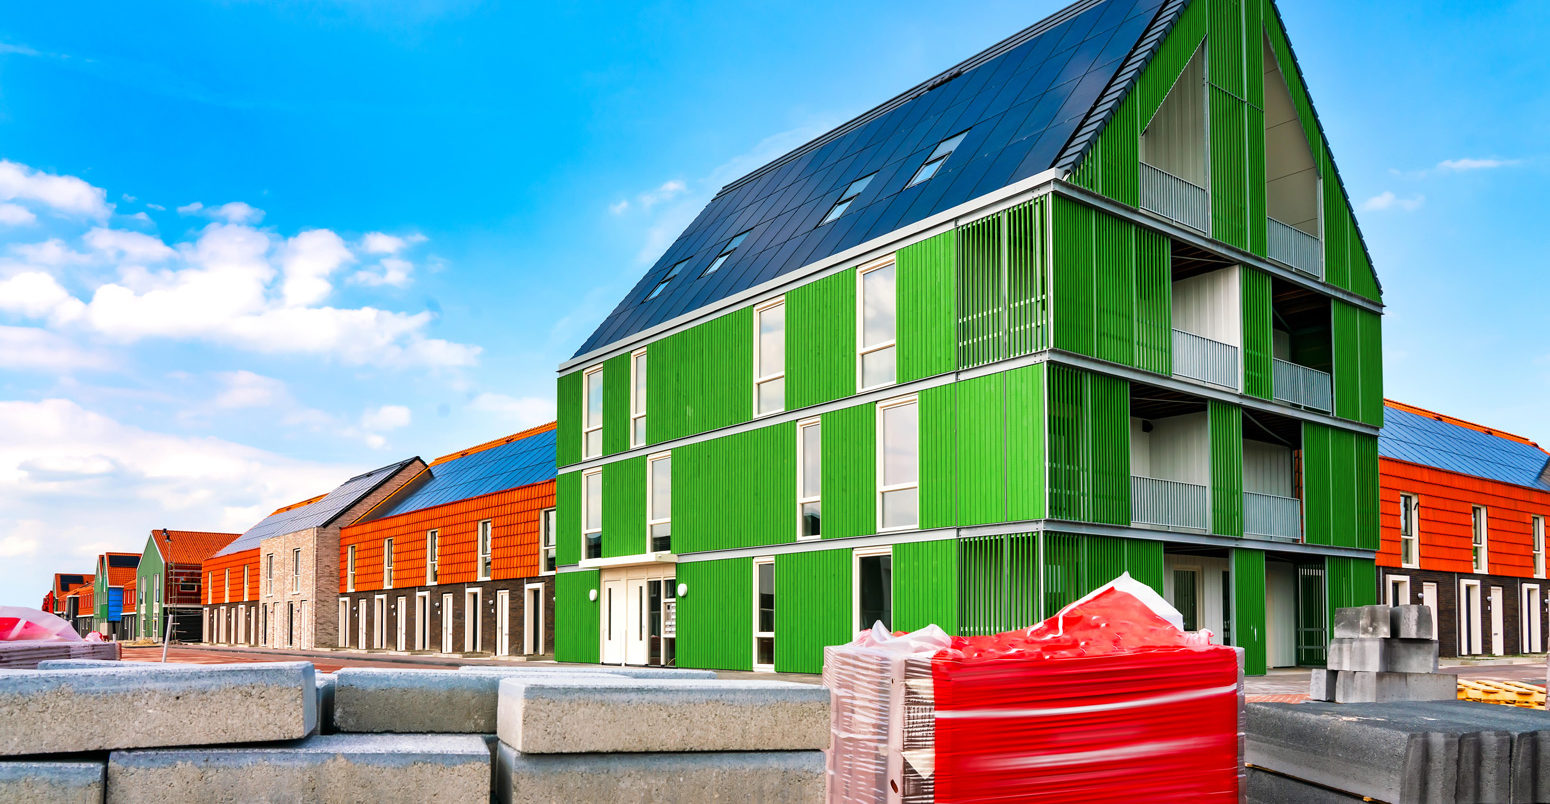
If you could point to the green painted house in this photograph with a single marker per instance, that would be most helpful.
(114, 571)
(168, 581)
(1091, 301)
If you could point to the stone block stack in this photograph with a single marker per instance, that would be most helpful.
(1382, 653)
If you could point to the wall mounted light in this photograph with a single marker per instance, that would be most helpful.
(592, 595)
(683, 589)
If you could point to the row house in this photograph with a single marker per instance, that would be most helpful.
(64, 583)
(168, 581)
(460, 559)
(1464, 510)
(275, 584)
(1092, 301)
(79, 610)
(114, 572)
(129, 620)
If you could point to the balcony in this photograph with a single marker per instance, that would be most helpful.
(1205, 360)
(1174, 198)
(1301, 386)
(1272, 517)
(1169, 503)
(1294, 248)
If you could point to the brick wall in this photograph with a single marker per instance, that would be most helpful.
(1449, 625)
(487, 620)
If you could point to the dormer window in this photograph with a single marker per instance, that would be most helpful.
(937, 157)
(731, 246)
(847, 197)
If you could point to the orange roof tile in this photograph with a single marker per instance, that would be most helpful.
(118, 576)
(495, 443)
(190, 546)
(310, 500)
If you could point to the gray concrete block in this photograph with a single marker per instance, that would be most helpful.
(45, 782)
(370, 700)
(1362, 621)
(1321, 684)
(334, 767)
(1367, 654)
(1363, 687)
(327, 682)
(1530, 730)
(1264, 787)
(554, 717)
(1411, 622)
(1410, 655)
(738, 776)
(61, 711)
(592, 669)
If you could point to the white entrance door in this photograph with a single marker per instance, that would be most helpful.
(1532, 639)
(1399, 590)
(533, 619)
(446, 623)
(422, 621)
(360, 633)
(637, 648)
(1280, 614)
(344, 622)
(473, 620)
(1498, 629)
(379, 624)
(399, 644)
(613, 622)
(503, 623)
(1471, 641)
(1429, 600)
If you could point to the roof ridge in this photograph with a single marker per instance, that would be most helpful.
(1454, 420)
(293, 506)
(495, 442)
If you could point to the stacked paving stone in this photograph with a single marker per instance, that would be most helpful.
(1382, 653)
(27, 653)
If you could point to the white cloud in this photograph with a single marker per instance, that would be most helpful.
(1468, 163)
(244, 389)
(35, 294)
(380, 243)
(522, 412)
(132, 246)
(386, 417)
(191, 209)
(52, 252)
(390, 271)
(1388, 200)
(17, 546)
(41, 350)
(64, 194)
(16, 215)
(308, 259)
(619, 207)
(237, 212)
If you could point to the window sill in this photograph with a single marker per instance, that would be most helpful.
(625, 561)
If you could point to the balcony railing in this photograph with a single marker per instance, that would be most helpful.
(1174, 198)
(1272, 517)
(1169, 503)
(1301, 386)
(1200, 358)
(1295, 248)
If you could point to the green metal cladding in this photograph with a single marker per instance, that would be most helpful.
(999, 438)
(1340, 487)
(1358, 350)
(577, 637)
(700, 379)
(849, 482)
(715, 617)
(1258, 332)
(1003, 285)
(616, 404)
(1348, 582)
(737, 491)
(624, 508)
(821, 341)
(567, 518)
(151, 568)
(1089, 446)
(999, 579)
(1112, 287)
(812, 607)
(938, 461)
(1075, 565)
(1226, 423)
(925, 585)
(568, 419)
(926, 284)
(1026, 495)
(1248, 608)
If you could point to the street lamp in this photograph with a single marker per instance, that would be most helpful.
(166, 589)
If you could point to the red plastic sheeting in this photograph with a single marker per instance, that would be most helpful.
(19, 623)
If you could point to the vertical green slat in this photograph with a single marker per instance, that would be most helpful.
(1226, 422)
(939, 486)
(981, 331)
(982, 445)
(1027, 279)
(1154, 302)
(1257, 200)
(567, 516)
(1225, 46)
(1110, 448)
(849, 472)
(576, 631)
(925, 585)
(927, 304)
(1257, 336)
(1114, 269)
(616, 404)
(821, 341)
(1061, 582)
(715, 615)
(813, 607)
(624, 508)
(1248, 608)
(1072, 277)
(1102, 559)
(1025, 452)
(1366, 526)
(1318, 491)
(748, 479)
(1348, 582)
(701, 379)
(567, 416)
(1343, 481)
(1229, 169)
(1358, 356)
(1144, 562)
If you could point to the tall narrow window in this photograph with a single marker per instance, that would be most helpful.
(847, 197)
(638, 398)
(546, 522)
(874, 588)
(1409, 515)
(269, 574)
(661, 286)
(938, 156)
(809, 479)
(726, 251)
(432, 555)
(486, 535)
(1479, 549)
(349, 569)
(244, 582)
(769, 358)
(659, 520)
(592, 514)
(764, 614)
(876, 338)
(387, 563)
(227, 598)
(296, 569)
(898, 465)
(1539, 547)
(592, 409)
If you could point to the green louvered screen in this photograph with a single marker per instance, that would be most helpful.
(1248, 608)
(925, 585)
(1226, 421)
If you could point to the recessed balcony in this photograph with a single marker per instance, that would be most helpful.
(1272, 517)
(1200, 358)
(1174, 198)
(1301, 386)
(1294, 248)
(1169, 503)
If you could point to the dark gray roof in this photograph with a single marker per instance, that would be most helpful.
(1029, 103)
(1441, 444)
(520, 462)
(315, 514)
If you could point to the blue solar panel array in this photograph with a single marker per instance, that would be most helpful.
(1424, 440)
(519, 463)
(1019, 109)
(315, 514)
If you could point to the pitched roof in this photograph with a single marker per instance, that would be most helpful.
(316, 512)
(1420, 436)
(189, 546)
(517, 460)
(120, 567)
(65, 581)
(87, 596)
(1034, 101)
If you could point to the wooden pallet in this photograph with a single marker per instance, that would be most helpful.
(1505, 693)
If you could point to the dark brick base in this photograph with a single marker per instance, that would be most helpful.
(1448, 622)
(350, 627)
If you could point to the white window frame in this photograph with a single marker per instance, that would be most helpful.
(387, 563)
(547, 541)
(637, 399)
(244, 595)
(757, 634)
(586, 504)
(653, 521)
(882, 489)
(777, 376)
(1410, 517)
(1537, 523)
(349, 569)
(432, 556)
(1480, 540)
(862, 348)
(1388, 589)
(855, 581)
(587, 428)
(802, 477)
(269, 575)
(486, 545)
(296, 569)
(473, 619)
(228, 586)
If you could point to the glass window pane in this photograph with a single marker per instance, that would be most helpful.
(900, 448)
(595, 399)
(640, 430)
(876, 593)
(766, 651)
(877, 368)
(766, 592)
(594, 501)
(926, 172)
(858, 185)
(899, 509)
(812, 516)
(640, 383)
(661, 538)
(812, 461)
(772, 396)
(772, 341)
(948, 146)
(661, 488)
(877, 309)
(594, 445)
(838, 210)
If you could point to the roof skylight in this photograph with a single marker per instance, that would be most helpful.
(661, 286)
(848, 196)
(731, 246)
(935, 160)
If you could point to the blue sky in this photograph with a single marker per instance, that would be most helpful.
(248, 249)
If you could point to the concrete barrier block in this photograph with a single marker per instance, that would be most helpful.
(1367, 654)
(45, 782)
(327, 682)
(332, 767)
(1362, 687)
(62, 711)
(1264, 787)
(1410, 656)
(1321, 684)
(588, 669)
(553, 717)
(739, 776)
(378, 700)
(1362, 621)
(1411, 622)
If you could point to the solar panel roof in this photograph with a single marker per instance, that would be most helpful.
(1020, 104)
(315, 514)
(1425, 440)
(518, 463)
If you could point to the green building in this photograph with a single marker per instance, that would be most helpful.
(168, 580)
(1092, 301)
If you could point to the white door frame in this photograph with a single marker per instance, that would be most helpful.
(422, 620)
(503, 622)
(1471, 640)
(473, 616)
(379, 624)
(1532, 638)
(360, 626)
(637, 645)
(1403, 583)
(402, 609)
(533, 619)
(344, 622)
(1498, 621)
(446, 622)
(613, 626)
(1429, 600)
